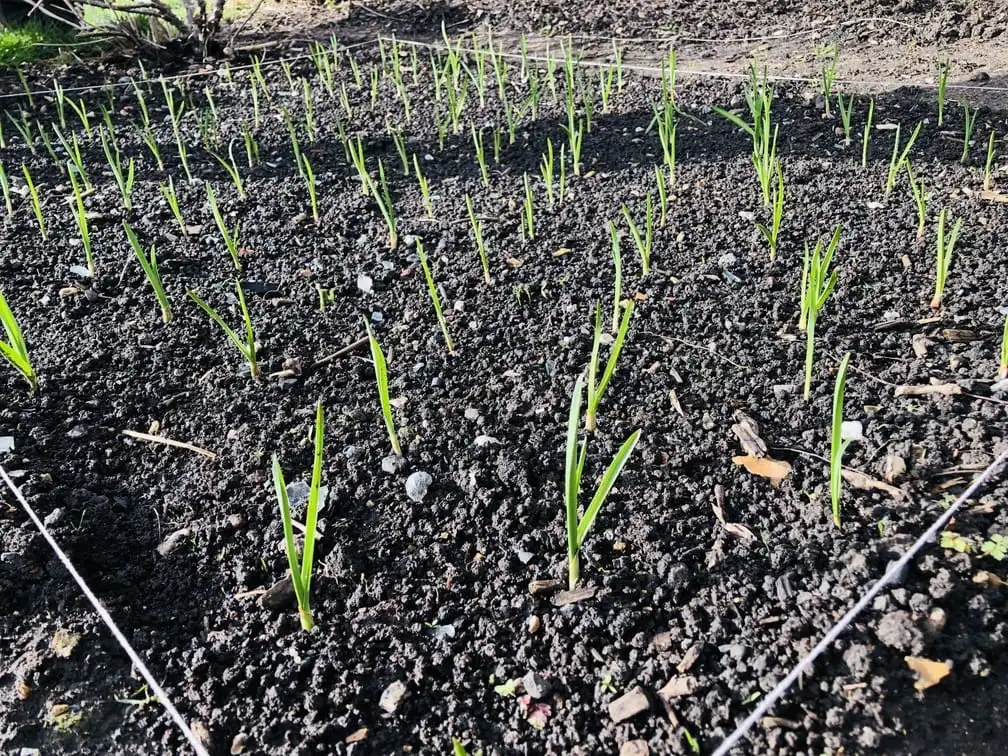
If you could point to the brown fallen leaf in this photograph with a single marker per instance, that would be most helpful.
(731, 528)
(747, 431)
(989, 578)
(993, 195)
(948, 389)
(867, 483)
(929, 672)
(765, 467)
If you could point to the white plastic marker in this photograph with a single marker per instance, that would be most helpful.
(159, 692)
(782, 687)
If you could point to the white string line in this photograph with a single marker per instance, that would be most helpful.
(159, 692)
(773, 696)
(637, 68)
(710, 73)
(177, 77)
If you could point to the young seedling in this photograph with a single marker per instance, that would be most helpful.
(80, 215)
(123, 177)
(920, 201)
(577, 525)
(772, 232)
(596, 388)
(477, 137)
(383, 196)
(969, 117)
(988, 183)
(945, 247)
(662, 195)
(435, 299)
(6, 189)
(309, 175)
(230, 237)
(528, 217)
(171, 197)
(425, 195)
(381, 377)
(866, 134)
(14, 349)
(150, 269)
(845, 115)
(301, 568)
(829, 73)
(246, 345)
(759, 98)
(480, 244)
(399, 140)
(1003, 367)
(899, 159)
(355, 149)
(231, 166)
(943, 72)
(817, 285)
(36, 203)
(842, 436)
(643, 243)
(546, 170)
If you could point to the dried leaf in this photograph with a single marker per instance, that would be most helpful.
(731, 528)
(948, 389)
(929, 672)
(993, 195)
(774, 469)
(536, 714)
(515, 262)
(867, 483)
(989, 578)
(748, 435)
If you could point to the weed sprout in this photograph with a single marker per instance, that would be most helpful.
(943, 258)
(246, 345)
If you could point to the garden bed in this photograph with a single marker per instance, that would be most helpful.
(445, 595)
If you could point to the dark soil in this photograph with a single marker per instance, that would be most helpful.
(435, 594)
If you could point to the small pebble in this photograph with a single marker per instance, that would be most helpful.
(364, 283)
(535, 685)
(393, 464)
(239, 743)
(417, 485)
(392, 696)
(533, 623)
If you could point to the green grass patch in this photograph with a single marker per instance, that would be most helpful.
(30, 41)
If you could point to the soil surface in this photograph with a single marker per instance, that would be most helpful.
(428, 610)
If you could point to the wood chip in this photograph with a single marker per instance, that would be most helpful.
(542, 586)
(960, 335)
(948, 389)
(690, 658)
(356, 736)
(774, 469)
(634, 748)
(774, 723)
(929, 673)
(630, 704)
(993, 195)
(868, 483)
(677, 687)
(895, 467)
(572, 597)
(747, 431)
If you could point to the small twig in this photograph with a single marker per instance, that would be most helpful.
(170, 442)
(348, 348)
(701, 347)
